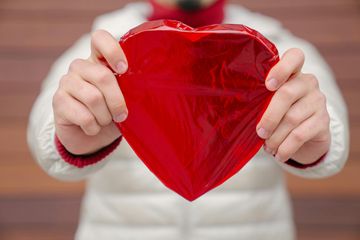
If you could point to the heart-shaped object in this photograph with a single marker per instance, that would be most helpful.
(194, 98)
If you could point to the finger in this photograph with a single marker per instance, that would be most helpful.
(280, 103)
(105, 46)
(104, 138)
(71, 111)
(297, 137)
(88, 95)
(290, 64)
(298, 113)
(102, 78)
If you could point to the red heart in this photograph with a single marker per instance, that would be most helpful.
(194, 98)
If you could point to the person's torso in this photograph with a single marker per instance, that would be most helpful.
(124, 200)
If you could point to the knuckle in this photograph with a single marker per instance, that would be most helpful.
(321, 98)
(298, 136)
(292, 118)
(83, 89)
(104, 75)
(287, 93)
(312, 80)
(74, 65)
(58, 98)
(64, 80)
(94, 98)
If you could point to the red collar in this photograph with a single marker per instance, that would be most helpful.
(213, 14)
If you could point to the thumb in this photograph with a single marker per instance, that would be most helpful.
(105, 49)
(289, 66)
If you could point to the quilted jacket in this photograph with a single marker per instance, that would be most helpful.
(125, 201)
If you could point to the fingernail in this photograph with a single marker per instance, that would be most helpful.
(272, 84)
(121, 117)
(262, 133)
(121, 67)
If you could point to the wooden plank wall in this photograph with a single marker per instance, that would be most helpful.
(34, 33)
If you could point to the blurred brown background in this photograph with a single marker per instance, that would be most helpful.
(33, 33)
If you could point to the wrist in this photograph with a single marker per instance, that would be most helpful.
(84, 160)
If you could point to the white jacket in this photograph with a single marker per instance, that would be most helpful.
(124, 200)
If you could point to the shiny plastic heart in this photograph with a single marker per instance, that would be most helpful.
(194, 98)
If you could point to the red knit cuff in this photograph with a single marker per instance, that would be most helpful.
(81, 161)
(296, 164)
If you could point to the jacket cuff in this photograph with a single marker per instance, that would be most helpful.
(81, 161)
(296, 164)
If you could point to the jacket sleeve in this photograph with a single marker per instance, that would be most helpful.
(333, 161)
(48, 152)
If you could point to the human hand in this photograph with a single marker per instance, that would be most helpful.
(88, 98)
(296, 123)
